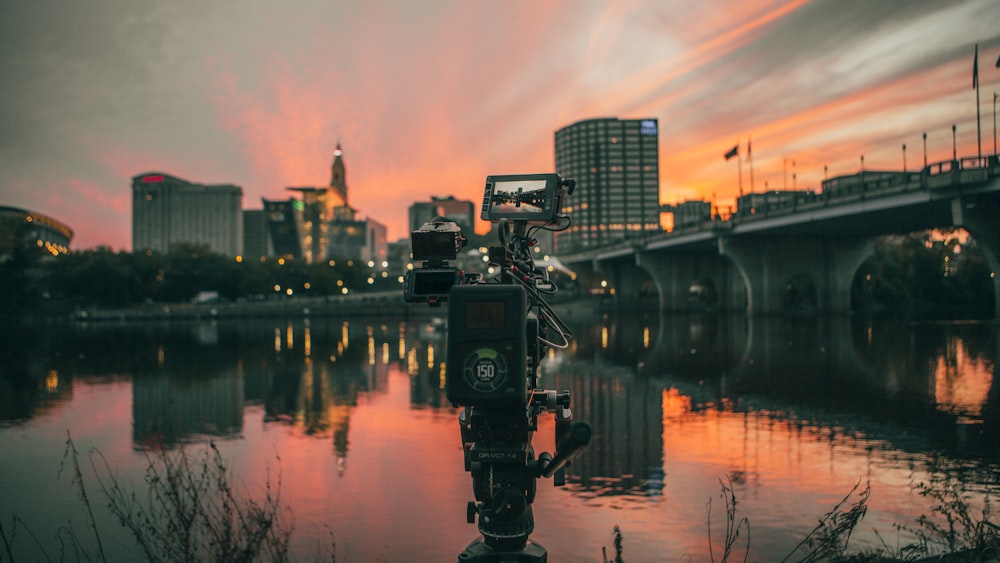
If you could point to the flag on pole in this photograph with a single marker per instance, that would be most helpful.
(975, 68)
(733, 151)
(749, 154)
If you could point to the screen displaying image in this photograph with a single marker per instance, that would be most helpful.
(521, 196)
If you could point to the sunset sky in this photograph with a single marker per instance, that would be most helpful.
(428, 97)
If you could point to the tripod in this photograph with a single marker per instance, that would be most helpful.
(504, 470)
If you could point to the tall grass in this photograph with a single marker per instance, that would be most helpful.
(192, 509)
(733, 526)
(957, 525)
(958, 529)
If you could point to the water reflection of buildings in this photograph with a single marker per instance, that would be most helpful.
(25, 395)
(188, 392)
(315, 374)
(927, 387)
(424, 357)
(169, 407)
(625, 456)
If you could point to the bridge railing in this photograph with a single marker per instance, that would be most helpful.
(844, 189)
(968, 170)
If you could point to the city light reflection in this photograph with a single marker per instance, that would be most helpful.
(677, 404)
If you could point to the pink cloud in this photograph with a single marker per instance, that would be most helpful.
(90, 192)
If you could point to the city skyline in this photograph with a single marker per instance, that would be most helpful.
(430, 98)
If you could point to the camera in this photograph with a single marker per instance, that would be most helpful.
(434, 244)
(498, 332)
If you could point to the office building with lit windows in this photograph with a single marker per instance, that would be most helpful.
(615, 163)
(168, 211)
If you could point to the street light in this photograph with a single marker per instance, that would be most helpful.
(954, 146)
(904, 157)
(925, 149)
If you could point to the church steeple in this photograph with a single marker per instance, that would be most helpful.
(338, 175)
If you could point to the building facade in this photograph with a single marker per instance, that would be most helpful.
(256, 238)
(460, 211)
(615, 163)
(167, 211)
(321, 225)
(284, 224)
(24, 228)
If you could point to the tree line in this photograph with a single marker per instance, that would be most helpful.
(928, 274)
(33, 282)
(923, 274)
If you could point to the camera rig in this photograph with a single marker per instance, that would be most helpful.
(498, 332)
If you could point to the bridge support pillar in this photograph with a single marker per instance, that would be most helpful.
(820, 266)
(978, 215)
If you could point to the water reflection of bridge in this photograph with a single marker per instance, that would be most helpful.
(895, 373)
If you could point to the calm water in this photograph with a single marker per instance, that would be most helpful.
(352, 411)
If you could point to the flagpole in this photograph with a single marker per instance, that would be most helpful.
(975, 82)
(750, 160)
(739, 166)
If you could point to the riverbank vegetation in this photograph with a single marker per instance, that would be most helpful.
(191, 509)
(929, 274)
(101, 278)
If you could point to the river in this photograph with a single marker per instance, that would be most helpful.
(349, 417)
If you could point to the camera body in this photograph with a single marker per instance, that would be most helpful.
(498, 331)
(487, 359)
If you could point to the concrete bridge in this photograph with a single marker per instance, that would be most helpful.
(782, 242)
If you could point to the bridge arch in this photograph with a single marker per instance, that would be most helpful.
(702, 293)
(694, 281)
(779, 269)
(624, 280)
(978, 215)
(800, 295)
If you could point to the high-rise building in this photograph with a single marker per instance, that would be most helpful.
(615, 163)
(322, 225)
(256, 238)
(167, 211)
(364, 240)
(284, 220)
(458, 210)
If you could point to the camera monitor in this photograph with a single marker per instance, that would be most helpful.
(534, 198)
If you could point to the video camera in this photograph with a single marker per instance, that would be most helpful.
(498, 331)
(434, 244)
